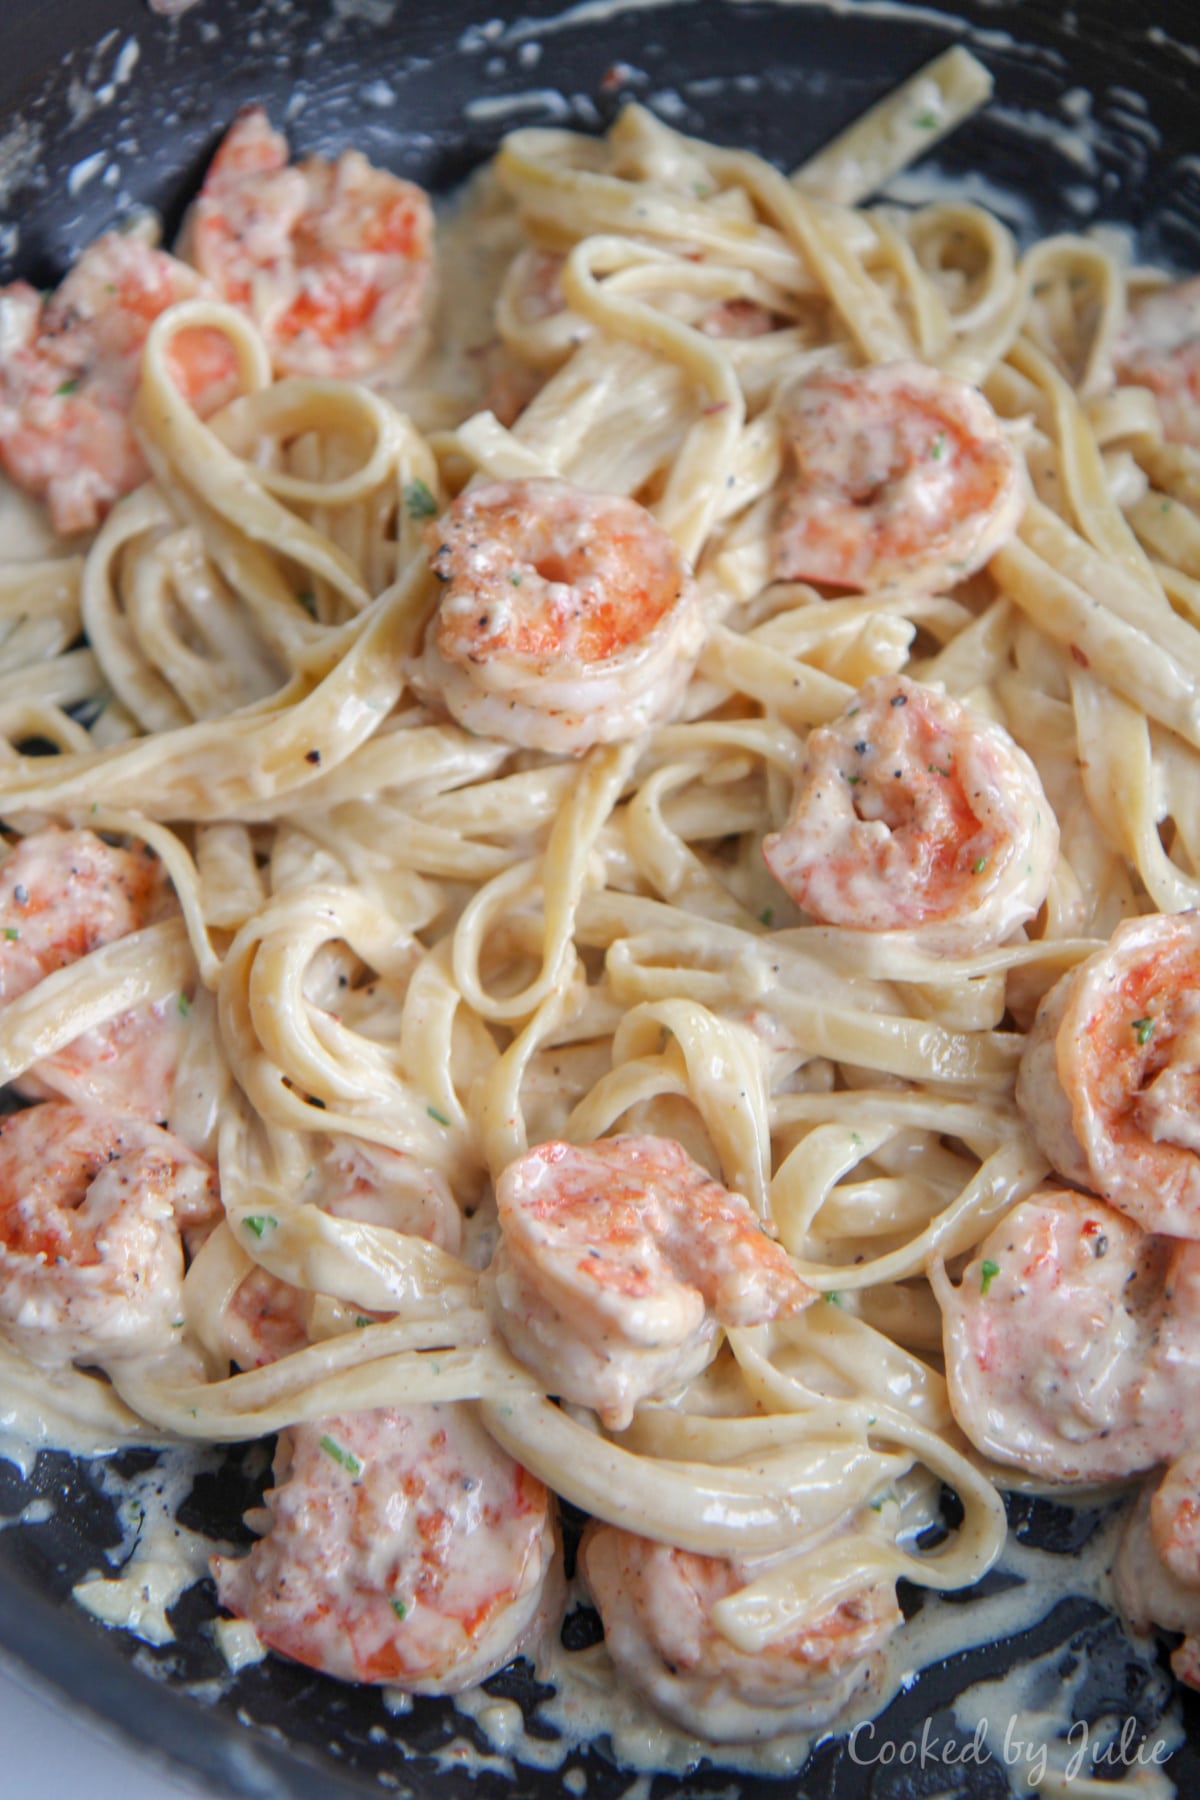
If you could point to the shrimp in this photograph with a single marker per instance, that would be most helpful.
(656, 1603)
(355, 1179)
(333, 261)
(566, 619)
(1157, 1570)
(1070, 1343)
(1110, 1078)
(70, 365)
(616, 1262)
(1159, 349)
(914, 813)
(900, 474)
(402, 1547)
(91, 1210)
(62, 895)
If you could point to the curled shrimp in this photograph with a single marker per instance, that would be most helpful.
(91, 1210)
(1110, 1078)
(566, 618)
(63, 894)
(1157, 1570)
(1159, 349)
(899, 474)
(1070, 1341)
(267, 1318)
(333, 261)
(914, 813)
(375, 1185)
(616, 1262)
(657, 1602)
(402, 1547)
(70, 365)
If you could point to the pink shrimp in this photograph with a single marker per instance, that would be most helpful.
(1110, 1078)
(1157, 1570)
(91, 1210)
(1159, 349)
(566, 618)
(62, 895)
(70, 366)
(616, 1262)
(913, 813)
(900, 474)
(333, 261)
(1070, 1342)
(402, 1547)
(657, 1605)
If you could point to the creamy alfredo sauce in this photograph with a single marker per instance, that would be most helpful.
(1025, 1721)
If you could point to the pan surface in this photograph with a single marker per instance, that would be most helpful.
(1094, 119)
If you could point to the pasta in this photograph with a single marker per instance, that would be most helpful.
(438, 913)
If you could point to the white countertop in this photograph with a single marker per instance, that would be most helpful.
(50, 1750)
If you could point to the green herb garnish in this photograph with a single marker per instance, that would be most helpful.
(419, 503)
(1144, 1029)
(988, 1271)
(346, 1459)
(435, 1114)
(258, 1223)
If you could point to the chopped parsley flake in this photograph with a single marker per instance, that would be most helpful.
(67, 387)
(936, 769)
(766, 916)
(346, 1459)
(833, 1298)
(1144, 1029)
(11, 933)
(400, 1608)
(258, 1222)
(980, 864)
(419, 503)
(514, 576)
(928, 121)
(938, 447)
(435, 1114)
(308, 601)
(878, 1504)
(184, 1005)
(361, 1319)
(988, 1271)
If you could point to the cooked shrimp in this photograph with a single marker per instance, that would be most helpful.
(333, 261)
(1071, 1344)
(355, 1179)
(913, 813)
(401, 1547)
(1159, 349)
(656, 1603)
(1110, 1078)
(1157, 1570)
(69, 367)
(616, 1262)
(128, 1064)
(566, 619)
(91, 1209)
(266, 1319)
(900, 474)
(63, 894)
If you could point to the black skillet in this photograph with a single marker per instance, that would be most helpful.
(396, 79)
